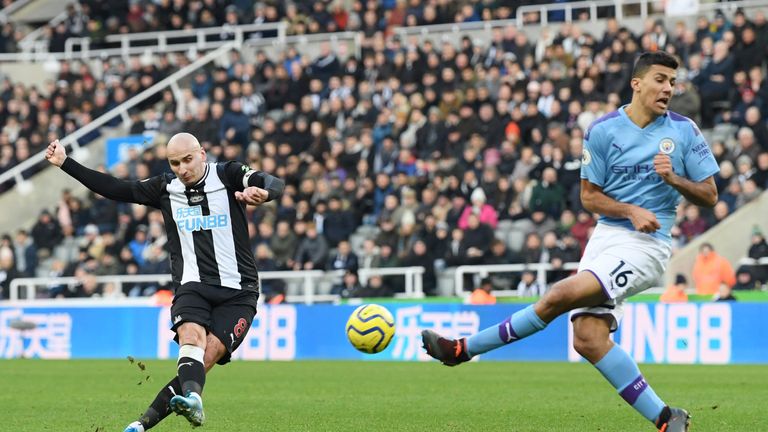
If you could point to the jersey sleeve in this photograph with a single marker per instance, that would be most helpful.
(593, 162)
(231, 174)
(149, 191)
(237, 176)
(698, 159)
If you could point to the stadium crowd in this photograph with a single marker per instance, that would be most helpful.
(423, 153)
(96, 19)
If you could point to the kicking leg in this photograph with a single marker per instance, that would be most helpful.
(160, 407)
(579, 290)
(591, 340)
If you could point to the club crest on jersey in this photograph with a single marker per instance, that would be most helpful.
(196, 198)
(586, 157)
(666, 146)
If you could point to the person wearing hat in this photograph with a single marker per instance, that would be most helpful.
(757, 250)
(675, 293)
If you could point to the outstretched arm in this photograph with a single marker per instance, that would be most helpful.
(703, 193)
(595, 200)
(102, 184)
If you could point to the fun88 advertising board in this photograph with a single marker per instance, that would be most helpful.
(707, 333)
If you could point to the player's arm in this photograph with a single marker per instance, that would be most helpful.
(596, 201)
(702, 193)
(102, 184)
(251, 186)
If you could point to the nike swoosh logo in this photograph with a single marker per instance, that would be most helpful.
(183, 364)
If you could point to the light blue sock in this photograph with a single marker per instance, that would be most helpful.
(521, 324)
(622, 372)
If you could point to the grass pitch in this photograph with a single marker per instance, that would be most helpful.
(105, 395)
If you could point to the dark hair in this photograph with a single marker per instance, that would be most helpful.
(647, 59)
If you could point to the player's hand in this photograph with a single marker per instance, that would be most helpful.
(252, 195)
(55, 153)
(663, 165)
(644, 220)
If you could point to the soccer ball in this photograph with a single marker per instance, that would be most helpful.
(370, 328)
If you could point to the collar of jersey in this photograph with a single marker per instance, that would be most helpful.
(202, 179)
(651, 125)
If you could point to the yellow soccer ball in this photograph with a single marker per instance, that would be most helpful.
(370, 328)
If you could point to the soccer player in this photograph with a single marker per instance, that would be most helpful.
(636, 163)
(212, 267)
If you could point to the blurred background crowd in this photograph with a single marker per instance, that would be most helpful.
(430, 154)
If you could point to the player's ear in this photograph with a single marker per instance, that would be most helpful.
(635, 83)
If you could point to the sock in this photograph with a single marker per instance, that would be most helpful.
(622, 372)
(159, 408)
(191, 369)
(521, 324)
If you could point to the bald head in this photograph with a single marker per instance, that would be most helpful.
(186, 157)
(183, 141)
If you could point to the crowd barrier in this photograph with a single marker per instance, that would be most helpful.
(709, 333)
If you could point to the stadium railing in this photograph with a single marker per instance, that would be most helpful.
(6, 12)
(31, 41)
(150, 42)
(71, 140)
(616, 7)
(485, 270)
(309, 279)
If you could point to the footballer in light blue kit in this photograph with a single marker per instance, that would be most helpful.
(637, 164)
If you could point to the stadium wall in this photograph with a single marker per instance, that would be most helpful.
(703, 333)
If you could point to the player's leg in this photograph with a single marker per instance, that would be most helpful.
(579, 290)
(191, 373)
(591, 340)
(190, 313)
(160, 408)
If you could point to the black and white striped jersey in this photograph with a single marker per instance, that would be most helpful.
(206, 226)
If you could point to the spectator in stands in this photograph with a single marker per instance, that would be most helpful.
(375, 287)
(344, 259)
(725, 293)
(46, 233)
(693, 225)
(714, 82)
(676, 293)
(758, 250)
(529, 286)
(486, 213)
(7, 271)
(283, 245)
(338, 223)
(25, 254)
(349, 286)
(419, 256)
(312, 251)
(745, 281)
(711, 271)
(482, 294)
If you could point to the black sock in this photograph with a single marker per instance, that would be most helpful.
(191, 371)
(666, 413)
(159, 409)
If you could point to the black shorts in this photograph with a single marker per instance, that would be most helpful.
(225, 312)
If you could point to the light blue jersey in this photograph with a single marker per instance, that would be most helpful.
(618, 157)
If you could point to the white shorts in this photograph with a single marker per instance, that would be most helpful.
(626, 263)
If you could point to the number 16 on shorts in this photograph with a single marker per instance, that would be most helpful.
(620, 275)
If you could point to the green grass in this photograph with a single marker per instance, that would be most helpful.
(104, 395)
